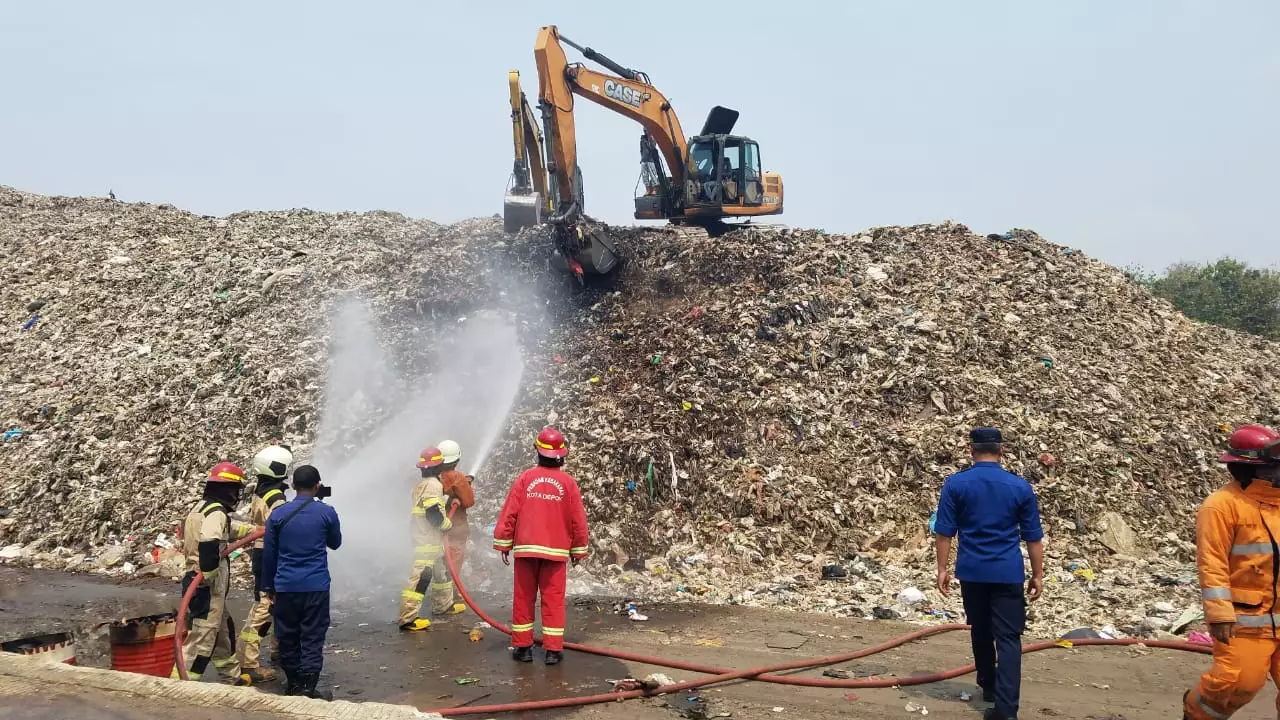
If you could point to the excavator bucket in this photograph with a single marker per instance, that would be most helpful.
(585, 249)
(521, 211)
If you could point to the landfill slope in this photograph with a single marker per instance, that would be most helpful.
(741, 409)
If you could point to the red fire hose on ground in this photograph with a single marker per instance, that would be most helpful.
(720, 675)
(717, 674)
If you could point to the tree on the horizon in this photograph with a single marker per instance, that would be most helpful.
(1227, 292)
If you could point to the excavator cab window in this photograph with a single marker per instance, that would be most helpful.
(752, 190)
(730, 171)
(704, 171)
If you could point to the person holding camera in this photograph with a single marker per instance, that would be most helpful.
(295, 577)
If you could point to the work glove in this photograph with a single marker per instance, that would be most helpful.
(506, 558)
(209, 576)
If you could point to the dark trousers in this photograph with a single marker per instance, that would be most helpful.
(998, 614)
(301, 621)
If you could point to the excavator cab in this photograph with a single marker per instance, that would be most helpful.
(724, 173)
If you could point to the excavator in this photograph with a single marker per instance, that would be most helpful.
(702, 180)
(527, 199)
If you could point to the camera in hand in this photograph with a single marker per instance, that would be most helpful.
(323, 492)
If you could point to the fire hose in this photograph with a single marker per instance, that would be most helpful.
(765, 673)
(717, 674)
(180, 621)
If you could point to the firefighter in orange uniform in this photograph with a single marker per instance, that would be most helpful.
(458, 496)
(1236, 549)
(544, 524)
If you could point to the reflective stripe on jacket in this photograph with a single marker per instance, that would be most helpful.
(543, 517)
(1238, 557)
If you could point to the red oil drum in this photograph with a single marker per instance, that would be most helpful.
(143, 645)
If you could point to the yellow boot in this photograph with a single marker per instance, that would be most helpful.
(417, 625)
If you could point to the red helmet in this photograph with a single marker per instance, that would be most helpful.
(550, 443)
(431, 457)
(225, 472)
(1252, 445)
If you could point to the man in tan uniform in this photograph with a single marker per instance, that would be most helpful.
(271, 466)
(428, 521)
(208, 529)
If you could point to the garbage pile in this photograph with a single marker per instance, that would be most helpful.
(754, 407)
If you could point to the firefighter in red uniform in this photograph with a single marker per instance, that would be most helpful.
(544, 524)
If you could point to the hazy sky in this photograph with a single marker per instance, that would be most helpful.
(1137, 130)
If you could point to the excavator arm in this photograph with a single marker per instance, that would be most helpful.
(628, 93)
(527, 199)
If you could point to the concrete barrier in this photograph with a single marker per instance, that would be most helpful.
(21, 675)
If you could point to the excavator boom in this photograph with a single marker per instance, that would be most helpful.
(527, 198)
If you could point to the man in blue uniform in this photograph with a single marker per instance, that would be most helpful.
(992, 511)
(295, 576)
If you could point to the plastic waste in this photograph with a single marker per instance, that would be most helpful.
(911, 596)
(634, 613)
(12, 434)
(933, 521)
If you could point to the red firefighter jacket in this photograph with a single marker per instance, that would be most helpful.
(543, 517)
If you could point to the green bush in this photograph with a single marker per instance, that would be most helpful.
(1227, 293)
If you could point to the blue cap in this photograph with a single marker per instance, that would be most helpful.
(985, 436)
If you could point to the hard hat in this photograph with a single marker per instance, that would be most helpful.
(430, 458)
(550, 443)
(272, 461)
(225, 472)
(450, 450)
(1252, 445)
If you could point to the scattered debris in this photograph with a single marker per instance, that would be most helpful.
(464, 680)
(910, 596)
(829, 381)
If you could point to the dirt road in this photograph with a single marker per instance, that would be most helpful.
(368, 659)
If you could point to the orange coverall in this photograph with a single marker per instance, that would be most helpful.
(1236, 533)
(457, 486)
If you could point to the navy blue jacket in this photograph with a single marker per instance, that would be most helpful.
(296, 560)
(991, 510)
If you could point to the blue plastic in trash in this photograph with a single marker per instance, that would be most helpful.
(32, 322)
(933, 520)
(12, 434)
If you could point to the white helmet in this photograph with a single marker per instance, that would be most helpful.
(450, 450)
(272, 461)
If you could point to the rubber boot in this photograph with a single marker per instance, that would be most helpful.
(524, 654)
(417, 625)
(309, 682)
(554, 657)
(255, 676)
(292, 685)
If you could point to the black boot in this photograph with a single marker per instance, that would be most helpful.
(523, 654)
(309, 682)
(554, 657)
(292, 686)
